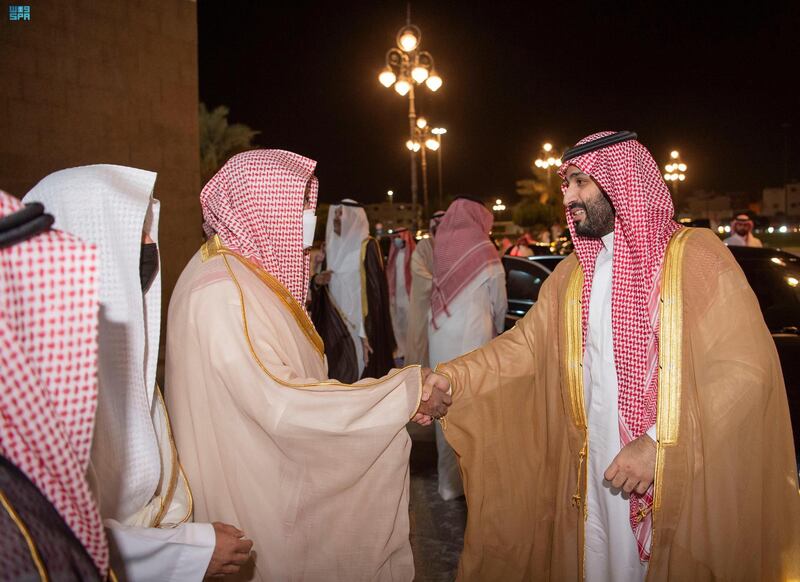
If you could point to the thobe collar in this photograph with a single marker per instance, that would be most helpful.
(608, 242)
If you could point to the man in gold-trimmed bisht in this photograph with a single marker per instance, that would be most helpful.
(143, 495)
(635, 423)
(350, 303)
(316, 471)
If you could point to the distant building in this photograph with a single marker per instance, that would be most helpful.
(502, 228)
(714, 207)
(391, 216)
(774, 200)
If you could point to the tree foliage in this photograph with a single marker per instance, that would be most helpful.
(219, 140)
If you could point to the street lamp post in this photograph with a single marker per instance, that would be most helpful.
(390, 194)
(547, 161)
(676, 172)
(439, 132)
(423, 139)
(406, 66)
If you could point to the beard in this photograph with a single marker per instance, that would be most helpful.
(598, 218)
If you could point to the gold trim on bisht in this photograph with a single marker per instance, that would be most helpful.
(670, 352)
(573, 332)
(175, 476)
(339, 385)
(573, 374)
(214, 247)
(34, 551)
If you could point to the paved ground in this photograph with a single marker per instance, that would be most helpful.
(437, 526)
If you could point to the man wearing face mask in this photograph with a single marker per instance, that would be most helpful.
(355, 297)
(398, 274)
(142, 492)
(314, 469)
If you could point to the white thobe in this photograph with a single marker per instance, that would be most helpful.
(611, 552)
(345, 290)
(400, 304)
(736, 240)
(477, 314)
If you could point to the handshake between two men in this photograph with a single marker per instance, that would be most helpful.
(632, 469)
(436, 398)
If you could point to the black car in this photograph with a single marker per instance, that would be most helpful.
(773, 275)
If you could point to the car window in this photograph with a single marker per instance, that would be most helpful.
(776, 283)
(524, 280)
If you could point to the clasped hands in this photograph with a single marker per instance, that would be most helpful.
(435, 398)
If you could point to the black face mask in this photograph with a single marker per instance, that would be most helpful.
(148, 264)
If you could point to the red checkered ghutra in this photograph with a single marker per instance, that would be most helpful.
(48, 358)
(643, 227)
(255, 205)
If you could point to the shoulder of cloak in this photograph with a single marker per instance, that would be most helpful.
(371, 253)
(563, 271)
(706, 259)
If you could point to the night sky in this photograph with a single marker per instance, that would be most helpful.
(716, 84)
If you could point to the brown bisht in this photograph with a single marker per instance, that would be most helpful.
(726, 503)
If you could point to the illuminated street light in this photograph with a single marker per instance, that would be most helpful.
(434, 81)
(409, 37)
(413, 145)
(432, 144)
(675, 172)
(431, 138)
(387, 77)
(407, 66)
(547, 161)
(498, 206)
(419, 74)
(402, 87)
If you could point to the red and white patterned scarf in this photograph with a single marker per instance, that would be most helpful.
(643, 227)
(48, 388)
(255, 205)
(462, 251)
(391, 266)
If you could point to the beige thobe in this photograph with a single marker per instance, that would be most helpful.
(315, 472)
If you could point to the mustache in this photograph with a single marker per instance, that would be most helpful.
(576, 205)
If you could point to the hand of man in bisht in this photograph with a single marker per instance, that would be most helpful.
(231, 550)
(322, 278)
(435, 398)
(634, 467)
(419, 418)
(367, 350)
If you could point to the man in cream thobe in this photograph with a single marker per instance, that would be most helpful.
(316, 471)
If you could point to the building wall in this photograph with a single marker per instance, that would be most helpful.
(391, 216)
(106, 81)
(774, 200)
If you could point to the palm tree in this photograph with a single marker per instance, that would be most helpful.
(220, 140)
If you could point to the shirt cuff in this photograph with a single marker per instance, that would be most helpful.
(651, 432)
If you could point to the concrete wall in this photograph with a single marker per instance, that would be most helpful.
(106, 81)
